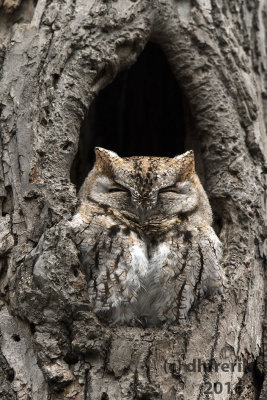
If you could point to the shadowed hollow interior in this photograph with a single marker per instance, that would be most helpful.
(140, 113)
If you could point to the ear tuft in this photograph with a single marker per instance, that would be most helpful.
(101, 152)
(187, 161)
(105, 157)
(187, 155)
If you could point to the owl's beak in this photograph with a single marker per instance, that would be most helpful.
(144, 212)
(142, 215)
(144, 205)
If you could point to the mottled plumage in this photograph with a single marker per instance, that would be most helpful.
(144, 234)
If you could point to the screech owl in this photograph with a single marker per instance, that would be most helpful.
(144, 233)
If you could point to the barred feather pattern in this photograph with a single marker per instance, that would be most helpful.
(147, 279)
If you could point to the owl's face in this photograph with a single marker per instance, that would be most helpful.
(146, 187)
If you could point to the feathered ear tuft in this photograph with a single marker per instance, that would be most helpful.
(187, 162)
(105, 156)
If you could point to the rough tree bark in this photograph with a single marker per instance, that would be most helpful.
(55, 57)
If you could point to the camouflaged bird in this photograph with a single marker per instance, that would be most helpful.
(144, 233)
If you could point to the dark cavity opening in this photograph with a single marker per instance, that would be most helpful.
(140, 113)
(16, 338)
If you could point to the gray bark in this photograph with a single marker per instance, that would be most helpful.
(55, 57)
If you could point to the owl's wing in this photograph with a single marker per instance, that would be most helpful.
(108, 251)
(202, 274)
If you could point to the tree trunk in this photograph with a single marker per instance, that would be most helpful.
(55, 58)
